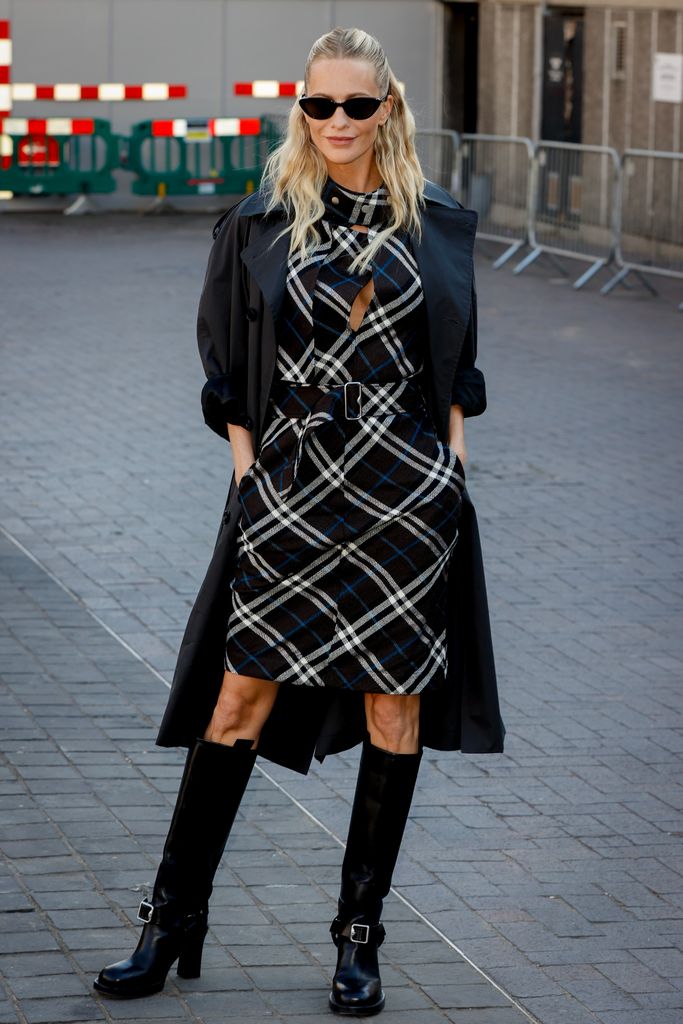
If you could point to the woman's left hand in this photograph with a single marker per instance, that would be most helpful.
(459, 449)
(456, 433)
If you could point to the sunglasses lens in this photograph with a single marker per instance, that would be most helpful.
(361, 108)
(317, 107)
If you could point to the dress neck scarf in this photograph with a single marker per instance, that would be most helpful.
(369, 209)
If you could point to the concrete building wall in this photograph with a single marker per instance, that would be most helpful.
(208, 44)
(617, 111)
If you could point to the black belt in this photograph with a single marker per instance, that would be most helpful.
(320, 403)
(368, 398)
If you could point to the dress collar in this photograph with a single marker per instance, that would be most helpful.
(342, 206)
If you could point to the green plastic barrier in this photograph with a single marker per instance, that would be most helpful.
(197, 163)
(46, 164)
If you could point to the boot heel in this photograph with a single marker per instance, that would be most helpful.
(190, 959)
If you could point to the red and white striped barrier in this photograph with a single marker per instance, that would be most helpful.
(267, 89)
(6, 150)
(106, 92)
(5, 69)
(47, 125)
(69, 92)
(181, 128)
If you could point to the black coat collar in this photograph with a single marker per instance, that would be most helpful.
(443, 254)
(433, 193)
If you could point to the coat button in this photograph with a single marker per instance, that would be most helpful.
(248, 422)
(252, 314)
(226, 518)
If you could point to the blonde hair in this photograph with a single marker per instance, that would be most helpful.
(295, 172)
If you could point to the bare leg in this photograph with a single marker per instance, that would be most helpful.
(243, 705)
(393, 721)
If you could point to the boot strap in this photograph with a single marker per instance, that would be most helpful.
(358, 932)
(168, 915)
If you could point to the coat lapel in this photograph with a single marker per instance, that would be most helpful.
(266, 255)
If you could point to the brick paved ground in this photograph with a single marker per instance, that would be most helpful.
(556, 867)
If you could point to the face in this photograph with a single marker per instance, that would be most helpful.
(341, 140)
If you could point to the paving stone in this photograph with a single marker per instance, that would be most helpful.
(560, 854)
(54, 1011)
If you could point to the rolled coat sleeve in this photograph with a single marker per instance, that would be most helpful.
(469, 387)
(221, 305)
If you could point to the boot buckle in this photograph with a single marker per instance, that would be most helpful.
(360, 933)
(145, 911)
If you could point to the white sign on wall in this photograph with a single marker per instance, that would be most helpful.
(667, 77)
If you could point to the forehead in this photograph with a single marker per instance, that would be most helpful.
(341, 76)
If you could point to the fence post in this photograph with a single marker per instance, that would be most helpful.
(573, 209)
(494, 179)
(650, 235)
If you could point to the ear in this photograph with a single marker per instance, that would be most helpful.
(388, 104)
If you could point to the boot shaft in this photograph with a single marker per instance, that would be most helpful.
(382, 801)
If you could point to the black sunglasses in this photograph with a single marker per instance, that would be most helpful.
(360, 108)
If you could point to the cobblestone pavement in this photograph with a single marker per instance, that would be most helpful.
(555, 868)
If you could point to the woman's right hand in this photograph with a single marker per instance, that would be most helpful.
(240, 473)
(242, 445)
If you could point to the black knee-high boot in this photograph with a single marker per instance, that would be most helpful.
(175, 917)
(384, 792)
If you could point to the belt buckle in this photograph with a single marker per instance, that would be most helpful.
(360, 400)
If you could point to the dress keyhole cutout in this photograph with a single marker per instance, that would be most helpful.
(360, 305)
(364, 296)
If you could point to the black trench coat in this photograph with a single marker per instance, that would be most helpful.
(243, 290)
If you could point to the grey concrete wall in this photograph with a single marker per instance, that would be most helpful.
(616, 112)
(208, 44)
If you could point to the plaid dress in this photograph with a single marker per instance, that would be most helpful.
(349, 513)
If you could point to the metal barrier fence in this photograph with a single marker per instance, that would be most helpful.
(574, 198)
(437, 151)
(561, 199)
(650, 227)
(493, 176)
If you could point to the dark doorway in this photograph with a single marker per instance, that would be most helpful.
(561, 170)
(461, 39)
(562, 75)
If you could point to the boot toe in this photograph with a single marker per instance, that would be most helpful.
(355, 1004)
(126, 980)
(356, 996)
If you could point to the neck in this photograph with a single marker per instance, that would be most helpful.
(361, 175)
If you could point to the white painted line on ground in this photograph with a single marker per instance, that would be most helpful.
(267, 775)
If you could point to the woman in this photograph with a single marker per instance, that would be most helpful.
(337, 328)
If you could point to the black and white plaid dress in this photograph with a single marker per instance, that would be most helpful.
(349, 513)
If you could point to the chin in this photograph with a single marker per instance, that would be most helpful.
(342, 156)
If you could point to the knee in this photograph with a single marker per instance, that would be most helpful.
(238, 710)
(393, 721)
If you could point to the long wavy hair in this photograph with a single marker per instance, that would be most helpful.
(295, 172)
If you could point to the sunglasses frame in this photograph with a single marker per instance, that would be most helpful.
(375, 99)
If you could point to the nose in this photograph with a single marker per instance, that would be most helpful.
(339, 119)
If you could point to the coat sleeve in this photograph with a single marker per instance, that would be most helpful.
(221, 318)
(469, 387)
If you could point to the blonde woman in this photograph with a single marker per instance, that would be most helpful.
(345, 600)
